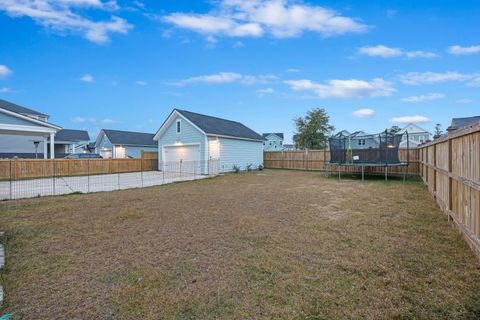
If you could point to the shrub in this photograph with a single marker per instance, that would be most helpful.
(260, 167)
(236, 168)
(249, 167)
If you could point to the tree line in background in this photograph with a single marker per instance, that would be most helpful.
(313, 130)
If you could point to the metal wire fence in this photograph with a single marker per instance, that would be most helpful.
(60, 184)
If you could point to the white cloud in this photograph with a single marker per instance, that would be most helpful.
(141, 83)
(4, 71)
(380, 51)
(255, 18)
(109, 121)
(389, 52)
(410, 119)
(227, 77)
(364, 113)
(86, 78)
(421, 54)
(475, 82)
(263, 92)
(293, 70)
(424, 97)
(93, 120)
(64, 15)
(416, 78)
(6, 90)
(459, 50)
(344, 88)
(463, 101)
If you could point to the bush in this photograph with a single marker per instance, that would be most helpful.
(260, 167)
(236, 168)
(249, 167)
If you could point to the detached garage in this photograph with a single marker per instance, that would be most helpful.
(196, 140)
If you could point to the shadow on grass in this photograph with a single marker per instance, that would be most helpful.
(373, 177)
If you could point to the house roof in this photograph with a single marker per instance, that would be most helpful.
(10, 106)
(416, 128)
(130, 138)
(279, 134)
(218, 126)
(72, 135)
(458, 123)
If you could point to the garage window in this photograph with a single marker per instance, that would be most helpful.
(178, 126)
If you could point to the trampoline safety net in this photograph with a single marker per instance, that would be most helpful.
(357, 148)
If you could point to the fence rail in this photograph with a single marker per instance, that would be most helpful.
(316, 160)
(17, 169)
(49, 182)
(450, 167)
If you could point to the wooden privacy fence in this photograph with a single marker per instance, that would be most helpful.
(16, 169)
(450, 167)
(316, 159)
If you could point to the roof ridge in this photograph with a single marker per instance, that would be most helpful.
(127, 131)
(206, 115)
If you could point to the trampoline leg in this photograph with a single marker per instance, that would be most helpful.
(386, 173)
(363, 175)
(339, 177)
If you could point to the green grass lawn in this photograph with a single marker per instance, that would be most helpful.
(260, 245)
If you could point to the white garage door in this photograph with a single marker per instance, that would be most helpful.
(184, 159)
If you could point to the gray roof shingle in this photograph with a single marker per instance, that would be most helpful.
(458, 123)
(130, 138)
(280, 134)
(219, 126)
(19, 109)
(72, 135)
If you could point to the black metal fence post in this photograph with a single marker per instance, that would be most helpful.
(54, 178)
(88, 175)
(11, 195)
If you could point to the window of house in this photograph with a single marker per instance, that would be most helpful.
(281, 142)
(270, 143)
(361, 142)
(178, 126)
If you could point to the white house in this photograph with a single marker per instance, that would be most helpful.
(25, 132)
(196, 138)
(119, 144)
(416, 136)
(273, 141)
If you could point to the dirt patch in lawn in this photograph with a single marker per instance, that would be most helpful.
(274, 244)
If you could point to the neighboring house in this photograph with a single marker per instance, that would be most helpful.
(68, 141)
(273, 141)
(25, 133)
(289, 147)
(124, 144)
(460, 123)
(196, 138)
(416, 136)
(359, 139)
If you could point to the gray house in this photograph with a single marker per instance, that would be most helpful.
(197, 138)
(273, 141)
(124, 144)
(26, 133)
(460, 123)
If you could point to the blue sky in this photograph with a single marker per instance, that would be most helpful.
(95, 64)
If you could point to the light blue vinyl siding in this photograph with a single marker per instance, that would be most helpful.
(136, 152)
(188, 134)
(240, 153)
(105, 144)
(10, 143)
(9, 119)
(273, 143)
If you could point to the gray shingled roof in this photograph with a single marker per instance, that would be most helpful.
(222, 127)
(280, 134)
(19, 109)
(72, 135)
(130, 138)
(458, 123)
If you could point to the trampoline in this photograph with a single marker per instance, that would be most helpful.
(367, 150)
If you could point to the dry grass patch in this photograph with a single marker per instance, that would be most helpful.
(275, 244)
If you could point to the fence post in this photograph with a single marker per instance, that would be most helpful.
(450, 180)
(283, 159)
(305, 159)
(54, 178)
(88, 175)
(11, 196)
